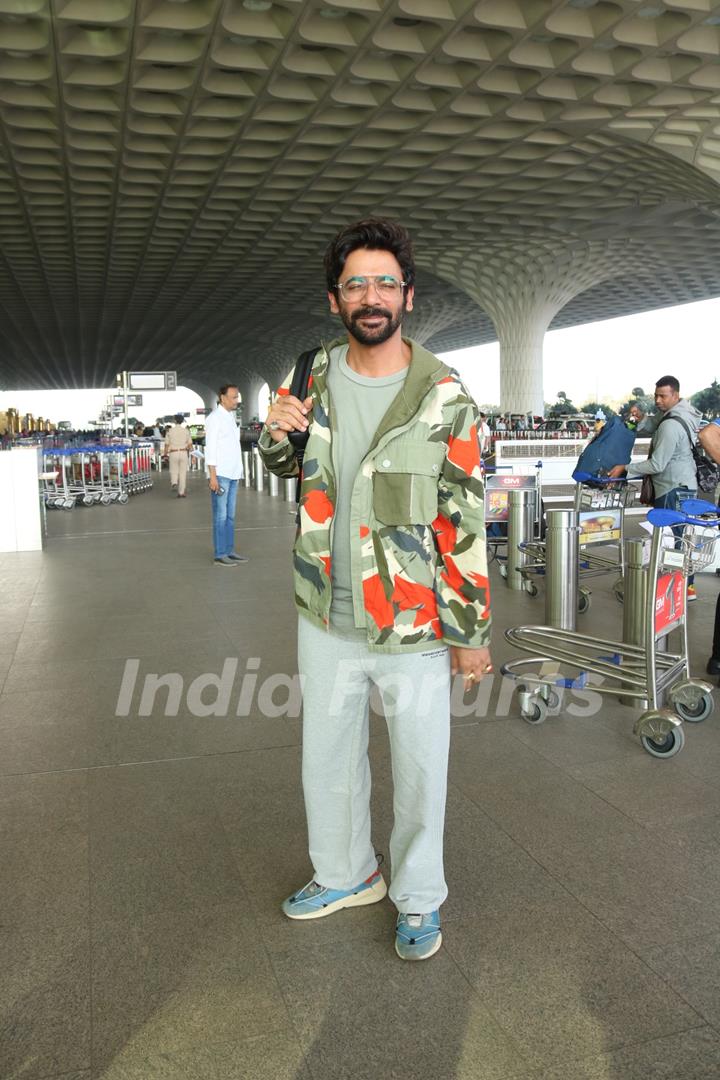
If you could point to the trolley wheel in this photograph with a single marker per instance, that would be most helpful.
(503, 570)
(531, 588)
(696, 710)
(660, 732)
(88, 500)
(123, 498)
(551, 698)
(619, 590)
(665, 745)
(536, 711)
(584, 601)
(68, 504)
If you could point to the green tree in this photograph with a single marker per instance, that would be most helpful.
(563, 406)
(708, 400)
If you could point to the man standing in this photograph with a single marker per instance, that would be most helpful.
(177, 446)
(223, 461)
(485, 435)
(390, 582)
(670, 464)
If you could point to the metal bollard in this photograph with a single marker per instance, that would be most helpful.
(273, 484)
(520, 531)
(289, 489)
(634, 600)
(634, 593)
(634, 629)
(258, 472)
(247, 468)
(561, 569)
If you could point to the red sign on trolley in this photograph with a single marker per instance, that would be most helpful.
(669, 602)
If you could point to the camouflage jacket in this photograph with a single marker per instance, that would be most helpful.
(418, 558)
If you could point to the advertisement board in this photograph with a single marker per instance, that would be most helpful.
(497, 488)
(600, 525)
(669, 602)
(152, 380)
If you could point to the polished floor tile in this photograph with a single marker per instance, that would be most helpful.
(149, 835)
(178, 981)
(44, 1002)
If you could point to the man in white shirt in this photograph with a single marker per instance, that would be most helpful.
(223, 461)
(484, 435)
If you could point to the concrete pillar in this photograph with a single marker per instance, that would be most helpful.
(522, 291)
(207, 393)
(249, 389)
(521, 361)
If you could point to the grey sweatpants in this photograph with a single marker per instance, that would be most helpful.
(338, 673)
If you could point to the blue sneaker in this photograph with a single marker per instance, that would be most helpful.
(417, 937)
(315, 901)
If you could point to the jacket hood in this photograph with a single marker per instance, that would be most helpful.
(688, 412)
(424, 363)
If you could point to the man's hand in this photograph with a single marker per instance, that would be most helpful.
(472, 664)
(617, 471)
(288, 413)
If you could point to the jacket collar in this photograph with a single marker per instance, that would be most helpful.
(424, 371)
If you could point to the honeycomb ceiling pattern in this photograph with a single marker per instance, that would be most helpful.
(171, 170)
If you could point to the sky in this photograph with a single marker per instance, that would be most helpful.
(599, 361)
(603, 361)
(82, 406)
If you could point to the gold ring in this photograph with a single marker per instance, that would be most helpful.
(470, 677)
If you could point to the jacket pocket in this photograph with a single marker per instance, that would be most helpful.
(405, 483)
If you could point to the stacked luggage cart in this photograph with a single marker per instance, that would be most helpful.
(499, 481)
(95, 475)
(641, 671)
(600, 504)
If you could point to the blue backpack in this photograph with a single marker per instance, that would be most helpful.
(611, 446)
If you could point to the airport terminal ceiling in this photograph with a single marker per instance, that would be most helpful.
(171, 170)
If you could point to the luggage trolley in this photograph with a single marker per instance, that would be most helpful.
(497, 488)
(600, 503)
(56, 491)
(645, 673)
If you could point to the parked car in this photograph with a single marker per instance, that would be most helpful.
(568, 427)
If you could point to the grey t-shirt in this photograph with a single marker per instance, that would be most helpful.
(359, 403)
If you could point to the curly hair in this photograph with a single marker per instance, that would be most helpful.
(376, 234)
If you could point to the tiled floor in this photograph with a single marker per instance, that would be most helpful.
(143, 857)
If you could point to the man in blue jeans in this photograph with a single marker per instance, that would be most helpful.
(671, 465)
(223, 460)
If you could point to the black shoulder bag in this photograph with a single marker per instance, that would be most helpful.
(299, 388)
(708, 473)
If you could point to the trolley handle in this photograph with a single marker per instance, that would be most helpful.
(680, 517)
(590, 478)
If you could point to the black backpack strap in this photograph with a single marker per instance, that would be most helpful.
(301, 373)
(688, 430)
(299, 386)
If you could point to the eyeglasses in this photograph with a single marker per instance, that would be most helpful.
(355, 288)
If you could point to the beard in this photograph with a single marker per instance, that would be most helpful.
(376, 335)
